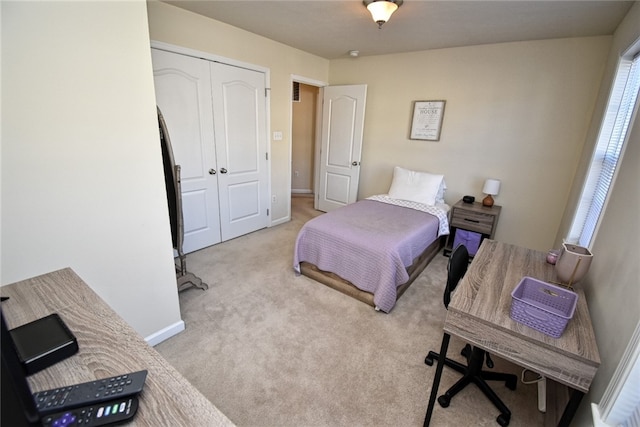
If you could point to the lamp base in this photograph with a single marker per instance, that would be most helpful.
(487, 201)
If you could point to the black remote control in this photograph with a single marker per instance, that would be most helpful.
(89, 393)
(111, 412)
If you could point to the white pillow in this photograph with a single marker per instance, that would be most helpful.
(441, 191)
(421, 187)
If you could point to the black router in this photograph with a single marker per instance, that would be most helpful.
(43, 342)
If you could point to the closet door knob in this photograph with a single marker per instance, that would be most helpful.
(212, 171)
(223, 170)
(354, 163)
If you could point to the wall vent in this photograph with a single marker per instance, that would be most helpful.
(296, 92)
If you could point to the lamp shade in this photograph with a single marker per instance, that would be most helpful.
(491, 186)
(381, 10)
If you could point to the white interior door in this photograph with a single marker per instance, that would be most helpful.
(183, 93)
(342, 127)
(239, 108)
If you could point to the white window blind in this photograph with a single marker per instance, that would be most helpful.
(609, 147)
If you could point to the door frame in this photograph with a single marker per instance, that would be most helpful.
(317, 138)
(267, 73)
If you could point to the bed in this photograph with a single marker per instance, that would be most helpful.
(375, 248)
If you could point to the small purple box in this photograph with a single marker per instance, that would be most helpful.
(468, 238)
(542, 306)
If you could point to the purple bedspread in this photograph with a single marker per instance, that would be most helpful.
(368, 243)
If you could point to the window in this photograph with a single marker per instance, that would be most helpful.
(608, 151)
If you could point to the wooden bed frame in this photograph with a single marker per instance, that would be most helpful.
(338, 283)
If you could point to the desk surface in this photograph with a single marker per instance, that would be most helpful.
(108, 346)
(479, 314)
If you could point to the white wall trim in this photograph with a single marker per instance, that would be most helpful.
(209, 56)
(621, 399)
(597, 419)
(279, 221)
(307, 81)
(165, 334)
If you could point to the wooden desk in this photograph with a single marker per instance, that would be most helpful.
(108, 347)
(479, 314)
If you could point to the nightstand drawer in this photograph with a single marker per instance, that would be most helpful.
(471, 217)
(474, 221)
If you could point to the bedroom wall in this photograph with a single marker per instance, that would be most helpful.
(611, 285)
(514, 111)
(517, 112)
(176, 26)
(82, 179)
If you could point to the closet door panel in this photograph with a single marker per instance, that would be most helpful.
(242, 126)
(183, 94)
(239, 108)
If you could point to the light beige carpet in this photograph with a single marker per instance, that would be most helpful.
(272, 349)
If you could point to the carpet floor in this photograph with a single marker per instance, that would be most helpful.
(270, 348)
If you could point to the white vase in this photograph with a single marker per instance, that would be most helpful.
(573, 263)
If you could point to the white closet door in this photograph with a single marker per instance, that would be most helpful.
(183, 93)
(239, 109)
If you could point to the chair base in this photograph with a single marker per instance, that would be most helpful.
(473, 373)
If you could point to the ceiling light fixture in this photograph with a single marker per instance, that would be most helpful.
(381, 10)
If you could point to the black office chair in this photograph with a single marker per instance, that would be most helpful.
(472, 373)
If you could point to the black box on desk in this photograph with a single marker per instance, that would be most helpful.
(43, 342)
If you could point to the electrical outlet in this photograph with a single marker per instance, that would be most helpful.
(296, 173)
(273, 199)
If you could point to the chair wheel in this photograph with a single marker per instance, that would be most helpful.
(466, 351)
(511, 383)
(489, 361)
(503, 419)
(445, 400)
(431, 356)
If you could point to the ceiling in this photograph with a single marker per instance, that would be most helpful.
(331, 28)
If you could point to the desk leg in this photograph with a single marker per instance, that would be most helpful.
(571, 408)
(436, 378)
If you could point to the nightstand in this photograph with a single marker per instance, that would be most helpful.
(472, 217)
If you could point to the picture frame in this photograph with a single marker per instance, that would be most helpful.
(427, 120)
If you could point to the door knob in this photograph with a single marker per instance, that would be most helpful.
(354, 163)
(223, 170)
(212, 171)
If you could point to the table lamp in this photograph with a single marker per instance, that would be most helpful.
(491, 188)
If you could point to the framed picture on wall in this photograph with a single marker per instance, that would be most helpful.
(427, 120)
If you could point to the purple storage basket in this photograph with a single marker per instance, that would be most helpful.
(468, 238)
(544, 307)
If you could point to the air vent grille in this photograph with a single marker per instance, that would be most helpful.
(296, 92)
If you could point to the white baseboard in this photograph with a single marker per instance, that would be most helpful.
(299, 191)
(280, 221)
(164, 334)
